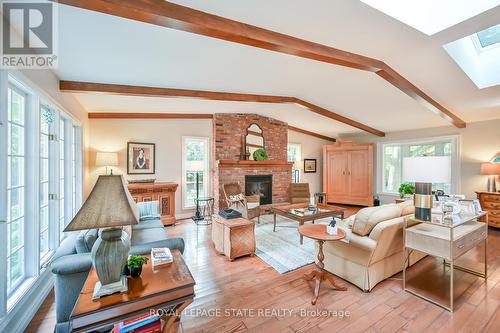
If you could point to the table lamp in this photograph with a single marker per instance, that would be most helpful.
(109, 206)
(492, 170)
(107, 160)
(423, 171)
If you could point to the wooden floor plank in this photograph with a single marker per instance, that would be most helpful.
(249, 283)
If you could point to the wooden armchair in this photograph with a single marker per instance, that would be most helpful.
(248, 206)
(300, 193)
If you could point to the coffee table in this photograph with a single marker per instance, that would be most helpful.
(300, 213)
(319, 234)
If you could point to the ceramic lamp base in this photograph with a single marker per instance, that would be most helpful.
(423, 201)
(108, 289)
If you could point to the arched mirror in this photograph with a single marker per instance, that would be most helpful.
(254, 140)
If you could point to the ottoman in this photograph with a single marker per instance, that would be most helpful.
(233, 237)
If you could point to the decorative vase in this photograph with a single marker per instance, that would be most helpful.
(109, 256)
(135, 272)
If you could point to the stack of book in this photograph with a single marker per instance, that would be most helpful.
(145, 323)
(161, 257)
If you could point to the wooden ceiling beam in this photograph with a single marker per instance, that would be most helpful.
(127, 90)
(303, 131)
(174, 16)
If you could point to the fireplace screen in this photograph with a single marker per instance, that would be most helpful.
(261, 185)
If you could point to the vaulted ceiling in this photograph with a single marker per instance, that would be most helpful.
(97, 47)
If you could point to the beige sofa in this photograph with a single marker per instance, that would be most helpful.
(373, 248)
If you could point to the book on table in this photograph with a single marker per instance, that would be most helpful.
(160, 257)
(144, 323)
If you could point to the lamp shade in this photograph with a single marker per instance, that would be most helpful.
(106, 159)
(490, 168)
(195, 165)
(427, 169)
(108, 205)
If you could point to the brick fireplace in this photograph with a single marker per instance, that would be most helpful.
(229, 131)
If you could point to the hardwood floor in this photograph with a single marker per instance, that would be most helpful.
(261, 300)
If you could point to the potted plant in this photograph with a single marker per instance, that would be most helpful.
(406, 190)
(134, 265)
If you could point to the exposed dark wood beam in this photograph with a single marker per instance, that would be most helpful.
(303, 131)
(127, 90)
(170, 15)
(148, 115)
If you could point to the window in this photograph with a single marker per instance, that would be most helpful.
(489, 37)
(194, 164)
(393, 154)
(62, 177)
(294, 155)
(44, 182)
(15, 188)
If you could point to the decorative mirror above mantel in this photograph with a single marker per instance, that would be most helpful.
(254, 140)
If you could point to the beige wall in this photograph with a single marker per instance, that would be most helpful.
(479, 142)
(112, 135)
(311, 147)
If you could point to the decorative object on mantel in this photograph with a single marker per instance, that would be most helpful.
(107, 160)
(492, 170)
(252, 163)
(254, 140)
(260, 155)
(423, 171)
(309, 165)
(140, 158)
(142, 181)
(108, 206)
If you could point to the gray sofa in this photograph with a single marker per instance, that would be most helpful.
(71, 262)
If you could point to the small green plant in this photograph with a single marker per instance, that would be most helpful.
(406, 188)
(260, 155)
(136, 261)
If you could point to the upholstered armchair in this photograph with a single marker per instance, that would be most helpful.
(248, 206)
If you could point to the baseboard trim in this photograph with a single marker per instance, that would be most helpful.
(21, 314)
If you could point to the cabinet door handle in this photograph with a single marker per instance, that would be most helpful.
(349, 173)
(343, 172)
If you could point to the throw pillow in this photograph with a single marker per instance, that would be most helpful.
(149, 210)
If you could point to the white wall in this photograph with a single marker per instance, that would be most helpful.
(112, 135)
(479, 142)
(311, 147)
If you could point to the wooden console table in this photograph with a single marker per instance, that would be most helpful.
(166, 290)
(162, 192)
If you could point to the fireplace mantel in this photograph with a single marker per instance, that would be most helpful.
(251, 164)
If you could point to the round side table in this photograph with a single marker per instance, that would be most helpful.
(319, 234)
(206, 206)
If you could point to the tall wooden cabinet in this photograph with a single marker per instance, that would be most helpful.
(348, 173)
(162, 192)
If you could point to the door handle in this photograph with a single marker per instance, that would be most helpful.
(349, 173)
(343, 172)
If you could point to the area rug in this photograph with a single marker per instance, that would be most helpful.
(282, 249)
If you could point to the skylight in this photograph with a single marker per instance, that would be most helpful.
(432, 16)
(489, 36)
(479, 56)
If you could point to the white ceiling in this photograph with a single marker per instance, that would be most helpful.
(101, 48)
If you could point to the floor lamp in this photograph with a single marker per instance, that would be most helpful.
(197, 166)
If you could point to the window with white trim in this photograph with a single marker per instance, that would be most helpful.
(34, 167)
(15, 188)
(392, 155)
(195, 166)
(294, 155)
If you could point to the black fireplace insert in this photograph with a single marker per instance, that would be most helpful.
(261, 185)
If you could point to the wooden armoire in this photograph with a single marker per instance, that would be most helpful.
(348, 173)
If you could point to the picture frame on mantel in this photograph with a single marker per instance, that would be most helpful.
(309, 165)
(141, 158)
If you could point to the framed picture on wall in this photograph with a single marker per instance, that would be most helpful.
(309, 165)
(140, 158)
